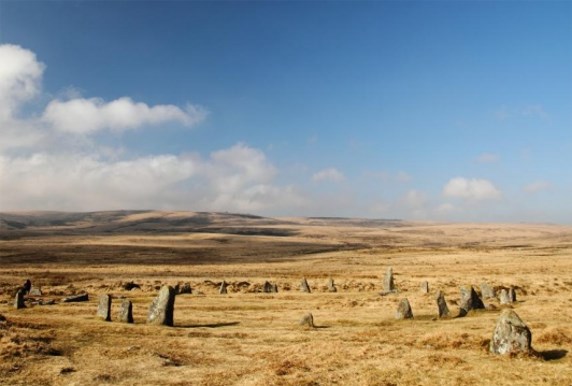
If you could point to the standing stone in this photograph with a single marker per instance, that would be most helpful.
(163, 307)
(425, 287)
(469, 300)
(307, 320)
(487, 291)
(222, 290)
(404, 310)
(388, 284)
(19, 299)
(35, 291)
(275, 288)
(126, 311)
(185, 289)
(104, 308)
(332, 286)
(442, 305)
(267, 287)
(503, 297)
(511, 336)
(512, 295)
(304, 287)
(27, 286)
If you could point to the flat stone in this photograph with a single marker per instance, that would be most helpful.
(162, 308)
(76, 298)
(511, 335)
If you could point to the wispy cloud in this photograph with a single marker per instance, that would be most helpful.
(330, 174)
(488, 158)
(537, 186)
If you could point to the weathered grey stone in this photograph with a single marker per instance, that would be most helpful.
(19, 299)
(125, 311)
(511, 335)
(388, 283)
(267, 287)
(442, 305)
(307, 320)
(130, 285)
(222, 290)
(26, 287)
(425, 287)
(104, 307)
(503, 297)
(185, 288)
(487, 292)
(76, 298)
(35, 291)
(275, 288)
(512, 294)
(162, 309)
(404, 310)
(469, 300)
(304, 287)
(332, 286)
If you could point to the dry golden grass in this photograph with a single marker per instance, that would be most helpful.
(251, 338)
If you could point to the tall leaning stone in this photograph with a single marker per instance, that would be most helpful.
(304, 286)
(126, 311)
(469, 300)
(163, 307)
(442, 305)
(19, 299)
(104, 308)
(511, 335)
(404, 310)
(388, 283)
(222, 290)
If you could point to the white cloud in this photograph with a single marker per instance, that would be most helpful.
(84, 116)
(537, 186)
(20, 76)
(414, 199)
(488, 158)
(330, 174)
(472, 189)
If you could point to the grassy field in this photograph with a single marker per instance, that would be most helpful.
(251, 338)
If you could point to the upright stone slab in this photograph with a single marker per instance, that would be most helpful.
(332, 286)
(104, 308)
(275, 288)
(442, 305)
(307, 320)
(304, 287)
(222, 290)
(163, 307)
(511, 335)
(404, 310)
(425, 287)
(267, 287)
(27, 286)
(388, 283)
(503, 297)
(125, 311)
(512, 295)
(19, 299)
(469, 300)
(487, 291)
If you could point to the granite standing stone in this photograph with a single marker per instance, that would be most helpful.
(27, 286)
(126, 311)
(388, 283)
(487, 291)
(469, 300)
(162, 309)
(307, 320)
(19, 299)
(404, 310)
(304, 287)
(442, 305)
(511, 335)
(185, 288)
(425, 287)
(332, 286)
(503, 297)
(267, 287)
(222, 290)
(512, 294)
(275, 288)
(104, 307)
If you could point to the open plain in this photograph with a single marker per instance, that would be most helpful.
(248, 337)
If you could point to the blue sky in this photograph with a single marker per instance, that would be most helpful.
(448, 110)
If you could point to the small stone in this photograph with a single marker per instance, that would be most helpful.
(267, 287)
(76, 298)
(503, 297)
(222, 290)
(126, 311)
(388, 283)
(469, 300)
(130, 285)
(511, 335)
(332, 286)
(104, 307)
(487, 291)
(19, 299)
(425, 287)
(35, 291)
(185, 288)
(442, 305)
(304, 287)
(404, 310)
(162, 308)
(307, 320)
(512, 294)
